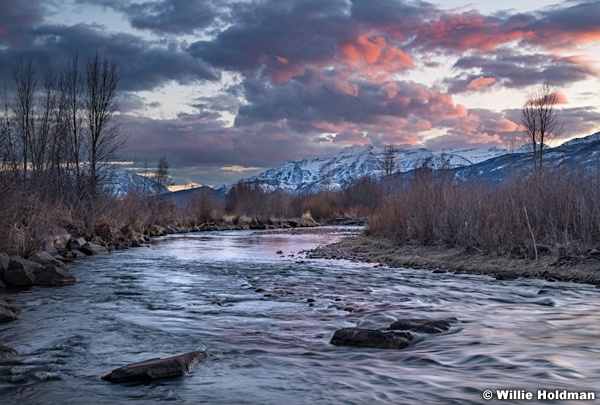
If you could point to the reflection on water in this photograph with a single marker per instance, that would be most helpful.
(232, 294)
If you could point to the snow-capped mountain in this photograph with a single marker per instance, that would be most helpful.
(585, 139)
(354, 162)
(120, 182)
(579, 155)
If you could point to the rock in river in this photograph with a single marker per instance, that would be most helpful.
(371, 338)
(7, 312)
(50, 271)
(18, 273)
(6, 351)
(91, 249)
(420, 325)
(155, 369)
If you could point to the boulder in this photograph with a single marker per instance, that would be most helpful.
(91, 249)
(61, 248)
(371, 338)
(420, 325)
(19, 272)
(76, 254)
(60, 235)
(48, 247)
(45, 259)
(6, 351)
(54, 276)
(155, 369)
(53, 272)
(76, 244)
(7, 312)
(4, 261)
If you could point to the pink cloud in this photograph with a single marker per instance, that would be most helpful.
(282, 60)
(326, 126)
(481, 83)
(504, 125)
(283, 72)
(561, 98)
(373, 55)
(468, 31)
(343, 87)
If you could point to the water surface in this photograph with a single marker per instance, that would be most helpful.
(230, 293)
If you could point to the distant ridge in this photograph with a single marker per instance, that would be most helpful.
(303, 176)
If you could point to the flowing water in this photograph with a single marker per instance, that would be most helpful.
(230, 293)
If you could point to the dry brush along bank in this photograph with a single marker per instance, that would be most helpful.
(582, 268)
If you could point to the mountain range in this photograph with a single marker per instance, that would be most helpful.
(303, 176)
(351, 163)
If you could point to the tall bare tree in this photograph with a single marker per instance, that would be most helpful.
(104, 136)
(24, 77)
(74, 115)
(389, 163)
(541, 121)
(162, 179)
(8, 158)
(44, 121)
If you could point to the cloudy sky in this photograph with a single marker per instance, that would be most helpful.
(225, 88)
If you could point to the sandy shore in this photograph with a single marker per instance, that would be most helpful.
(584, 268)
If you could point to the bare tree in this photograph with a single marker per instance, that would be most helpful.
(162, 179)
(8, 157)
(541, 122)
(389, 163)
(513, 144)
(74, 115)
(23, 109)
(44, 121)
(104, 136)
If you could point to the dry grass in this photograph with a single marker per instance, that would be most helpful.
(557, 211)
(580, 269)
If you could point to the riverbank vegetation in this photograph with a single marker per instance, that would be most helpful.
(521, 217)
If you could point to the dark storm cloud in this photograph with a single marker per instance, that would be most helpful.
(390, 14)
(173, 16)
(577, 121)
(515, 71)
(192, 138)
(567, 25)
(142, 65)
(168, 16)
(16, 16)
(302, 105)
(301, 32)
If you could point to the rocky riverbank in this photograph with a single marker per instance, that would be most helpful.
(49, 266)
(582, 268)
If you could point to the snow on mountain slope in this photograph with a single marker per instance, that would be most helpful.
(292, 173)
(354, 162)
(121, 182)
(479, 154)
(586, 139)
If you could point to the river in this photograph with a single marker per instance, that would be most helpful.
(231, 294)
